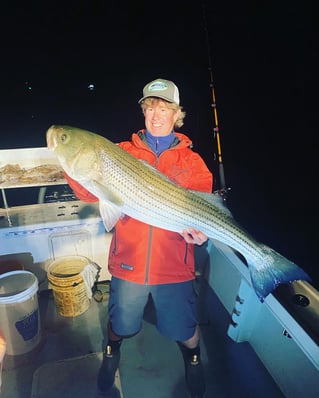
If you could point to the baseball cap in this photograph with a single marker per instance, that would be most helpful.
(161, 88)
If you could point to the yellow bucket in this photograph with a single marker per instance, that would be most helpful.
(69, 290)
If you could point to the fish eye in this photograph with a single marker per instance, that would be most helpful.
(63, 137)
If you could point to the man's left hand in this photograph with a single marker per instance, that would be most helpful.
(194, 236)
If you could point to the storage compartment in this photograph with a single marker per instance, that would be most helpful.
(49, 221)
(283, 334)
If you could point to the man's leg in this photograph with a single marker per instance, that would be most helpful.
(177, 319)
(111, 360)
(194, 372)
(126, 306)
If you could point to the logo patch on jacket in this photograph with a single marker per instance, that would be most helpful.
(126, 266)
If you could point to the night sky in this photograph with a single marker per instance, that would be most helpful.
(264, 59)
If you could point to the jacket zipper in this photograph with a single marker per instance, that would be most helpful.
(186, 253)
(149, 246)
(115, 241)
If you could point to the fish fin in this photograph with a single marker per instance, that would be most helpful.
(275, 270)
(105, 194)
(214, 199)
(110, 215)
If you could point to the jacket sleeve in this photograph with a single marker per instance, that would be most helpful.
(201, 178)
(79, 191)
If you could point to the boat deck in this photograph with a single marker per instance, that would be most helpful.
(65, 364)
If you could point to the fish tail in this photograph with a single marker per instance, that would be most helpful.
(274, 270)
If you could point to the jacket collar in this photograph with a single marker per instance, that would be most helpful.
(181, 140)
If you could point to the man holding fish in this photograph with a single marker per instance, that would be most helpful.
(147, 260)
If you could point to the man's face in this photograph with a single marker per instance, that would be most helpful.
(159, 119)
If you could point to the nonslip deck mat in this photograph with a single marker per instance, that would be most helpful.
(72, 377)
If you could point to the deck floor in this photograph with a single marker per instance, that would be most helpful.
(65, 363)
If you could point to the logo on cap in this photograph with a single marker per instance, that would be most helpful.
(158, 86)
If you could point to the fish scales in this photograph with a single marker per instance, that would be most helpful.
(152, 192)
(153, 188)
(140, 191)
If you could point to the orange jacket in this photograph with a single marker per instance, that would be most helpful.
(144, 254)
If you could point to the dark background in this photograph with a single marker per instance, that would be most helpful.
(264, 59)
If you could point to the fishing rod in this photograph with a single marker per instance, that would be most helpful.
(223, 190)
(222, 180)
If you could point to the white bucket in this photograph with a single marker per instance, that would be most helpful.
(19, 312)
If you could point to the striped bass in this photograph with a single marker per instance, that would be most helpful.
(128, 186)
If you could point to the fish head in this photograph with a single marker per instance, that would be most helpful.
(74, 149)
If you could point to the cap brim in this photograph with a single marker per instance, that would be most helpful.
(157, 96)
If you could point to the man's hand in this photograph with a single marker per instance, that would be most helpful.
(194, 236)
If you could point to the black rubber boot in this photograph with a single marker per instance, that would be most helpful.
(106, 375)
(194, 372)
